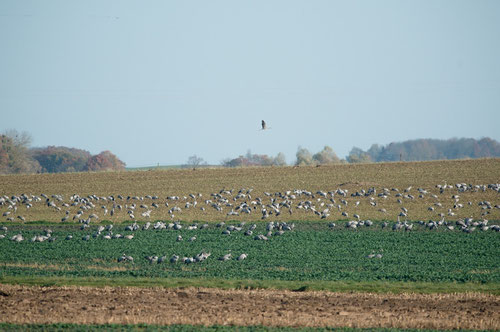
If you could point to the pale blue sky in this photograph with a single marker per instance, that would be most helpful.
(158, 81)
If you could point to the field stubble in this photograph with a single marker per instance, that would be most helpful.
(181, 183)
(87, 305)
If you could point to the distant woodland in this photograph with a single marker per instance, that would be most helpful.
(428, 149)
(16, 155)
(413, 150)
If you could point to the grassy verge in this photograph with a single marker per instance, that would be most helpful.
(332, 286)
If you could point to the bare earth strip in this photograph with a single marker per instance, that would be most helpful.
(204, 306)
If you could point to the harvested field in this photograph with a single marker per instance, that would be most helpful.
(57, 229)
(351, 177)
(87, 305)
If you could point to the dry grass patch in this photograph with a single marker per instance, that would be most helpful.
(109, 268)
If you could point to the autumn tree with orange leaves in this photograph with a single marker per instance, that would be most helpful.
(104, 161)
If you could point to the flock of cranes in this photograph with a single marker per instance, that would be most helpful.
(233, 204)
(243, 203)
(444, 203)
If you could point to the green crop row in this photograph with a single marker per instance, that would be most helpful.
(311, 252)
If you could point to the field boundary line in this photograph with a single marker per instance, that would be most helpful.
(298, 286)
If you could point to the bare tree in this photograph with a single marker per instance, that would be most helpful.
(14, 153)
(195, 161)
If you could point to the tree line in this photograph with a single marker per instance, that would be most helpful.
(304, 158)
(428, 149)
(411, 150)
(16, 156)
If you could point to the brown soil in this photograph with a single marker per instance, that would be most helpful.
(90, 305)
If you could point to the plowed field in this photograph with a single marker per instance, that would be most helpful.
(198, 306)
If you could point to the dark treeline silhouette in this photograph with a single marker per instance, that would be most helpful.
(17, 157)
